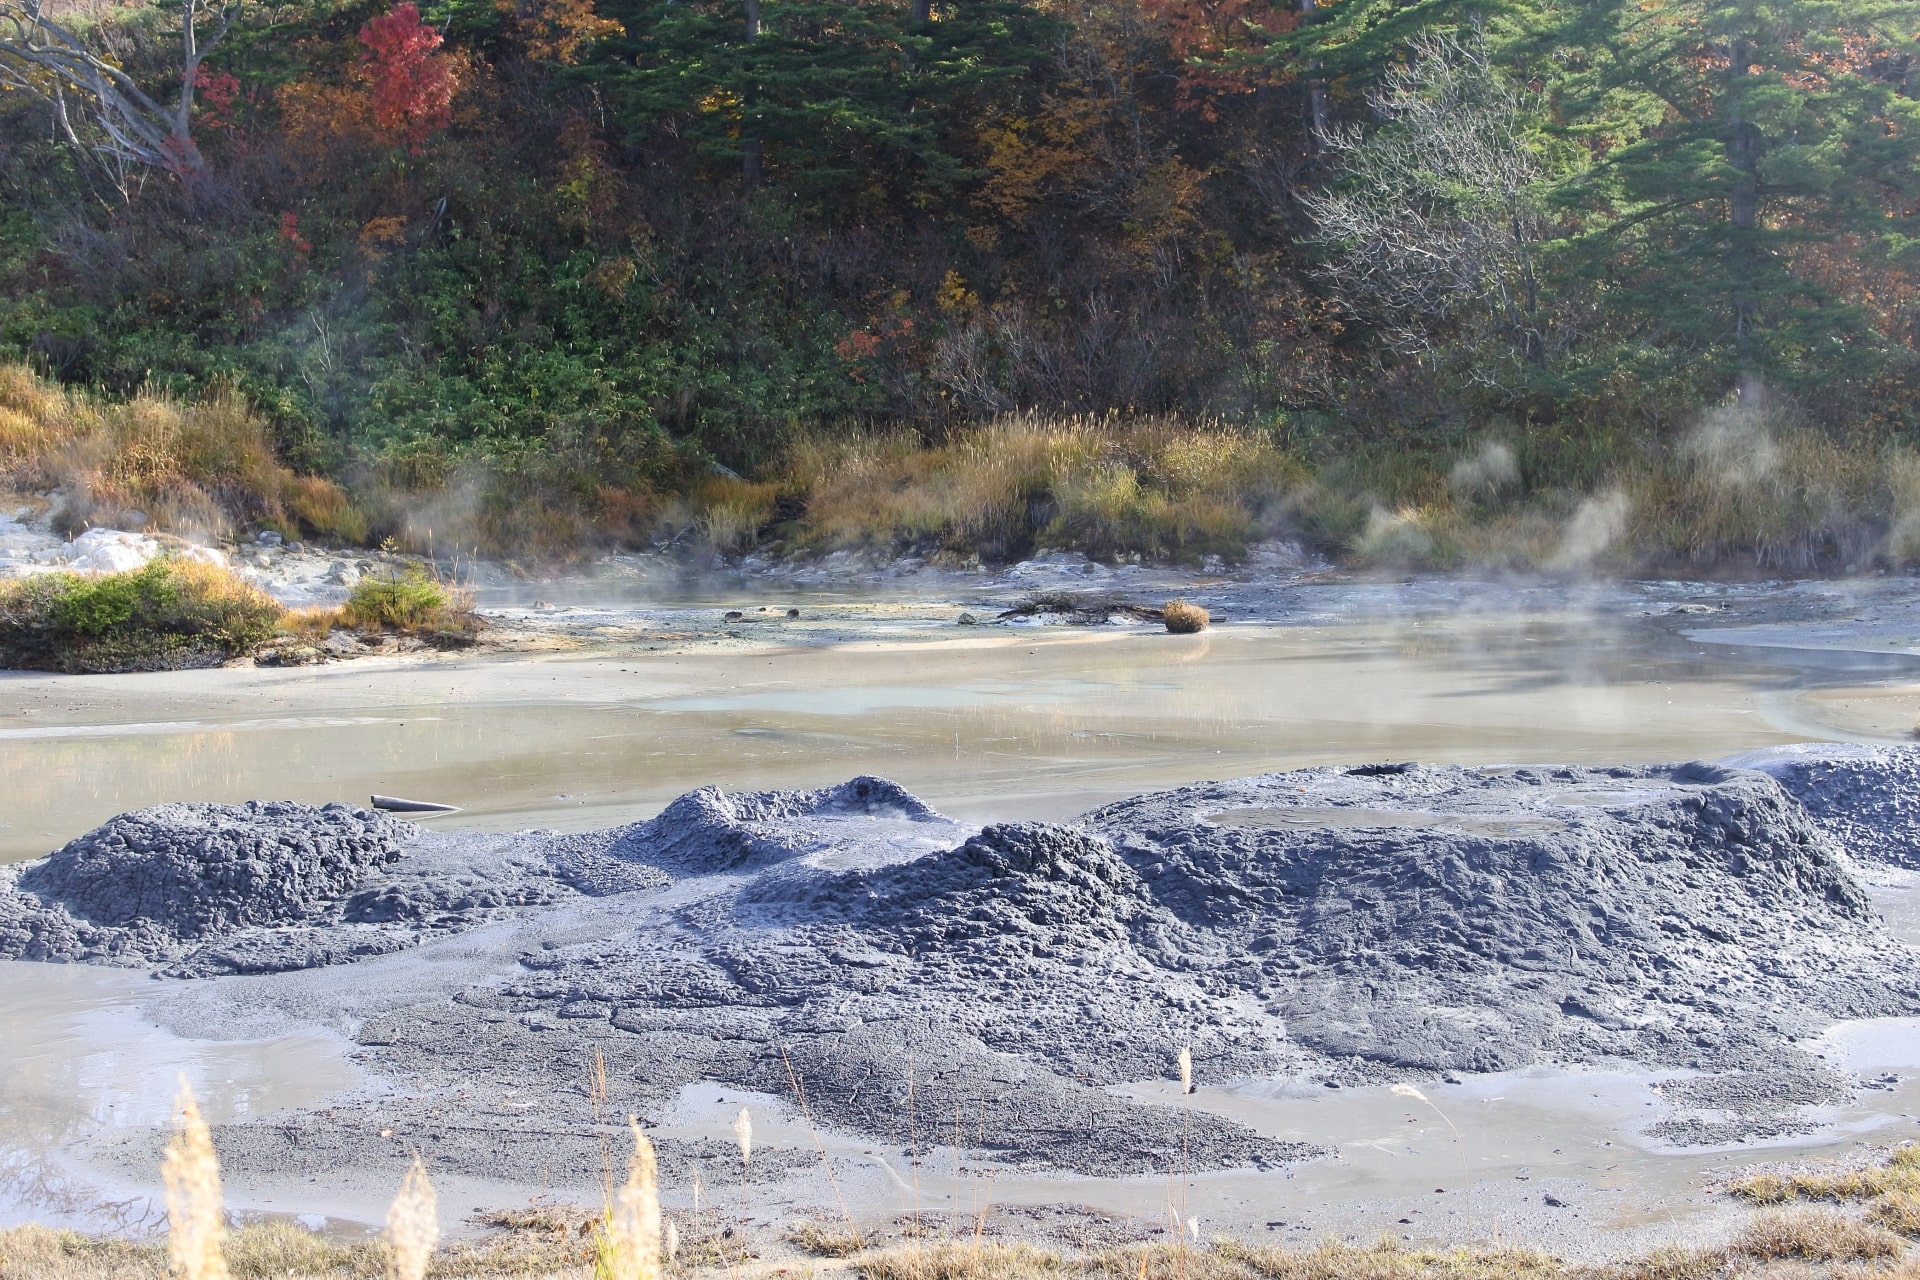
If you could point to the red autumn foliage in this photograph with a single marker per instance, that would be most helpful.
(290, 238)
(412, 84)
(218, 89)
(1213, 40)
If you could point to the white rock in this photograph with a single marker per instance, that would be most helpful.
(109, 551)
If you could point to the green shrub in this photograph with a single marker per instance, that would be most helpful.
(408, 599)
(167, 615)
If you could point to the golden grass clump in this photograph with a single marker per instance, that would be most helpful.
(1108, 486)
(196, 1222)
(1896, 1211)
(413, 1225)
(1824, 1235)
(1184, 619)
(1900, 1172)
(314, 621)
(633, 1236)
(827, 1240)
(204, 466)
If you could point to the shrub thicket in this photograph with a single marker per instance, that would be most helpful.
(169, 614)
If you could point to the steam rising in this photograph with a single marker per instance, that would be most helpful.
(1596, 525)
(1489, 470)
(1732, 446)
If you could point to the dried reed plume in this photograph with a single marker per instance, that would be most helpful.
(670, 1240)
(633, 1229)
(196, 1225)
(413, 1225)
(1186, 1069)
(743, 1134)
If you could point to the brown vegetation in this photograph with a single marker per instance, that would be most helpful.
(205, 466)
(1108, 486)
(1735, 491)
(1804, 1245)
(1184, 619)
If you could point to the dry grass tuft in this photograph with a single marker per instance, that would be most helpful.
(41, 1253)
(1897, 1211)
(314, 621)
(823, 1240)
(413, 1225)
(1185, 619)
(1900, 1172)
(196, 1222)
(1824, 1235)
(204, 466)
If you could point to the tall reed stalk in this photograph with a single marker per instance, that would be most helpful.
(196, 1223)
(633, 1229)
(413, 1225)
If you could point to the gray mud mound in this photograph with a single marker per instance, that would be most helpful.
(991, 981)
(200, 870)
(1465, 920)
(1024, 983)
(254, 888)
(1866, 798)
(709, 831)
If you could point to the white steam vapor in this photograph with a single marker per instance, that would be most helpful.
(1596, 525)
(1489, 469)
(1732, 446)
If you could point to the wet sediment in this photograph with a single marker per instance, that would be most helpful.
(1342, 926)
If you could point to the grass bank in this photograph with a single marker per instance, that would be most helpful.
(1803, 1245)
(170, 614)
(1738, 489)
(200, 467)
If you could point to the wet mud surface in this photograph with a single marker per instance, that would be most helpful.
(1016, 987)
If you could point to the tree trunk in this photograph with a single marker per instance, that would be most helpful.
(750, 145)
(921, 11)
(1316, 88)
(1743, 197)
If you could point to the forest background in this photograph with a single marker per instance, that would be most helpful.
(1557, 283)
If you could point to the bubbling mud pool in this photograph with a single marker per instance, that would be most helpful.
(990, 725)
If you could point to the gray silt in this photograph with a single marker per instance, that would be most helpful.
(1866, 798)
(1342, 925)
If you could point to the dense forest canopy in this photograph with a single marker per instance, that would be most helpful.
(614, 243)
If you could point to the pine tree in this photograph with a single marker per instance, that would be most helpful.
(1723, 137)
(833, 97)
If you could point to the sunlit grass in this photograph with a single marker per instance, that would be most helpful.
(204, 466)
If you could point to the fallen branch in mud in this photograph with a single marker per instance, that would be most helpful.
(1082, 610)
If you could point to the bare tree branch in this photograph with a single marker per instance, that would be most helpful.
(51, 61)
(1438, 214)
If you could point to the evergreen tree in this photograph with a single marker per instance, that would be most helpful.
(1726, 136)
(836, 97)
